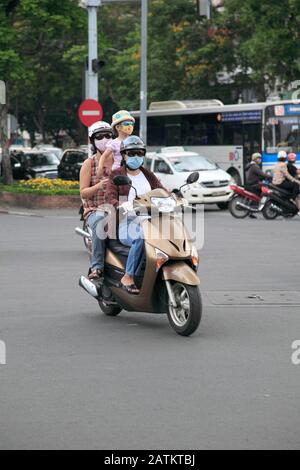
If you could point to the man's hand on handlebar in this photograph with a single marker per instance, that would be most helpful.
(126, 207)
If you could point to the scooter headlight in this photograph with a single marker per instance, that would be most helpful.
(164, 204)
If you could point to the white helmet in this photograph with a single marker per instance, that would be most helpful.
(282, 155)
(100, 126)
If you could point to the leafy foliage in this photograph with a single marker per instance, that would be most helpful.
(43, 49)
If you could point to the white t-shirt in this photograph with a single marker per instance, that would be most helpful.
(141, 184)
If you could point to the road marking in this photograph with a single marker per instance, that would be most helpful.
(252, 298)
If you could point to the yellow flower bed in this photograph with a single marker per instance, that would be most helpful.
(46, 184)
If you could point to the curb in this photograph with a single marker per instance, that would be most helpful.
(34, 201)
(21, 214)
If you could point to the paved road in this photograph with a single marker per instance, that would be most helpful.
(77, 379)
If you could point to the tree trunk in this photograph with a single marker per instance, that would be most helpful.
(6, 164)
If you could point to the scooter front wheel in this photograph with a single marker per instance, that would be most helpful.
(185, 318)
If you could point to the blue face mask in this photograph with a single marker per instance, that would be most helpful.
(135, 163)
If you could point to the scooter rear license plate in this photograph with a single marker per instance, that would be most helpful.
(262, 203)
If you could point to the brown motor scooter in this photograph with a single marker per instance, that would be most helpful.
(168, 280)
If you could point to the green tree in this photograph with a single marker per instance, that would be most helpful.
(51, 35)
(256, 42)
(10, 69)
(43, 47)
(42, 58)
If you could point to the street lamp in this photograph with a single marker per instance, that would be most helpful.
(205, 7)
(144, 73)
(92, 82)
(2, 92)
(92, 90)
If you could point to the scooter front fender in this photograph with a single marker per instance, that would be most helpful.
(180, 272)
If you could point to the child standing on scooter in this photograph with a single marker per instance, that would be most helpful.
(123, 125)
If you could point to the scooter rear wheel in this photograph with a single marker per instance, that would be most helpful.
(186, 318)
(237, 211)
(109, 310)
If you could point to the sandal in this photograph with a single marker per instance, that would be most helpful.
(133, 290)
(95, 274)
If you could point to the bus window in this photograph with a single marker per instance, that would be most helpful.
(233, 133)
(172, 134)
(283, 134)
(194, 130)
(282, 130)
(252, 139)
(156, 132)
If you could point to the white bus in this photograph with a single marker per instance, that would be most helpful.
(226, 134)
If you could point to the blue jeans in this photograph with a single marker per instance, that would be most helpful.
(133, 237)
(98, 248)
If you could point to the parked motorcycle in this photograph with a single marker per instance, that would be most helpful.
(168, 279)
(277, 202)
(244, 203)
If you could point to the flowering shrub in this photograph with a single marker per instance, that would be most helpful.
(41, 184)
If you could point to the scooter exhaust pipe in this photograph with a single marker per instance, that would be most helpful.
(82, 233)
(89, 287)
(240, 205)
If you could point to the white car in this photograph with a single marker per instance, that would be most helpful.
(50, 148)
(174, 165)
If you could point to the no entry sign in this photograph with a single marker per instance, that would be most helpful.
(90, 111)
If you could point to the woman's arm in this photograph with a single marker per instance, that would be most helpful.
(113, 193)
(86, 190)
(106, 161)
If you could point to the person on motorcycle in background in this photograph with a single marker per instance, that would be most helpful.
(283, 180)
(133, 151)
(292, 169)
(92, 191)
(123, 125)
(255, 175)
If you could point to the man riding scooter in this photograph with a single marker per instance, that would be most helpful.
(255, 175)
(133, 151)
(154, 232)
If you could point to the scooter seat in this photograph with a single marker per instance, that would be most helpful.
(116, 247)
(284, 192)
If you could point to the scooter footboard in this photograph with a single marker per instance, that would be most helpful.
(180, 272)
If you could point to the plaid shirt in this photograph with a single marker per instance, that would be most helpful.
(99, 198)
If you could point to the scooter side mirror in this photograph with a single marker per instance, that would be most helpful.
(122, 181)
(193, 178)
